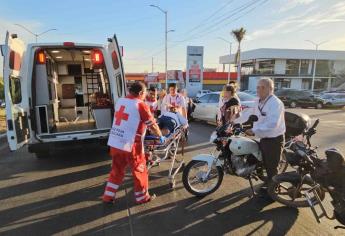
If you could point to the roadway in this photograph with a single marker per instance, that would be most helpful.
(61, 195)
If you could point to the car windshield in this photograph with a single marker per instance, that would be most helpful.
(327, 96)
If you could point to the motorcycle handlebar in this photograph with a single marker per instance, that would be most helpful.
(315, 124)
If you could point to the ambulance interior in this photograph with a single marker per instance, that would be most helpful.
(71, 90)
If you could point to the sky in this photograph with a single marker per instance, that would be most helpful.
(140, 28)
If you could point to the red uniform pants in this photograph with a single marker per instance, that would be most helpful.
(137, 161)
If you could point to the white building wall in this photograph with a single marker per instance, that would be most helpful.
(296, 83)
(279, 67)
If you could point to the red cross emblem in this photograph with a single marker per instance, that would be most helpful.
(120, 115)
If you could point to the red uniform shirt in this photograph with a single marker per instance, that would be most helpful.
(146, 120)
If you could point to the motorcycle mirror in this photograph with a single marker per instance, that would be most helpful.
(252, 118)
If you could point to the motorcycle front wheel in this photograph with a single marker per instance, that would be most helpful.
(196, 181)
(288, 191)
(340, 216)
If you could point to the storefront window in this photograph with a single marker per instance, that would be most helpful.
(280, 83)
(266, 67)
(324, 67)
(247, 68)
(305, 67)
(292, 67)
(306, 83)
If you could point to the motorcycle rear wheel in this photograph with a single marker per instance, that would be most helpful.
(189, 178)
(292, 197)
(282, 166)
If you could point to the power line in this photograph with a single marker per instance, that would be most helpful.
(210, 17)
(210, 30)
(240, 9)
(235, 19)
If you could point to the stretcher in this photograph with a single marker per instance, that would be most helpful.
(157, 152)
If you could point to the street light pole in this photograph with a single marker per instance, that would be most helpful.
(315, 56)
(34, 34)
(230, 43)
(166, 42)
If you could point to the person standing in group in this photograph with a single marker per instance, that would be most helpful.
(234, 84)
(174, 101)
(270, 127)
(151, 100)
(229, 108)
(159, 103)
(190, 106)
(131, 118)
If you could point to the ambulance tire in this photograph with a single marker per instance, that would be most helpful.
(42, 155)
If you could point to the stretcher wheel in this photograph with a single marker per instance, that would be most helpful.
(182, 167)
(172, 184)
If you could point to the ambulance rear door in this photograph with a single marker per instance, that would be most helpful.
(119, 85)
(18, 129)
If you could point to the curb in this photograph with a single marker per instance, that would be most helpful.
(3, 138)
(3, 142)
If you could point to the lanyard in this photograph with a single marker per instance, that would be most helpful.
(263, 105)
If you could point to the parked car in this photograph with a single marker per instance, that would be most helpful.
(202, 92)
(299, 98)
(207, 105)
(250, 92)
(334, 99)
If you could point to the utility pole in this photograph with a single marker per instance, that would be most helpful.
(166, 42)
(315, 56)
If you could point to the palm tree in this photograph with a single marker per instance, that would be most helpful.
(239, 35)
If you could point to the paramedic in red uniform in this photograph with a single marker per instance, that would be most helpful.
(151, 100)
(174, 101)
(132, 116)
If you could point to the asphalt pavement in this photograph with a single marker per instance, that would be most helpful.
(61, 196)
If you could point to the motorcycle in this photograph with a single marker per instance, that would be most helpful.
(236, 155)
(314, 176)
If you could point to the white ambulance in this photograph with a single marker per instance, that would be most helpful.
(59, 94)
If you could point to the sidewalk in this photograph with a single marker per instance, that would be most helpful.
(3, 141)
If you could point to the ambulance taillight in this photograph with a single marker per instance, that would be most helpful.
(97, 58)
(41, 57)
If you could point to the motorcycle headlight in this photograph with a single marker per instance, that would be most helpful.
(213, 137)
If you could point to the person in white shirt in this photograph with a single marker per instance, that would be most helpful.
(159, 102)
(270, 127)
(174, 100)
(190, 106)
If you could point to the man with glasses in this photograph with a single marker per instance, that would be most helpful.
(270, 127)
